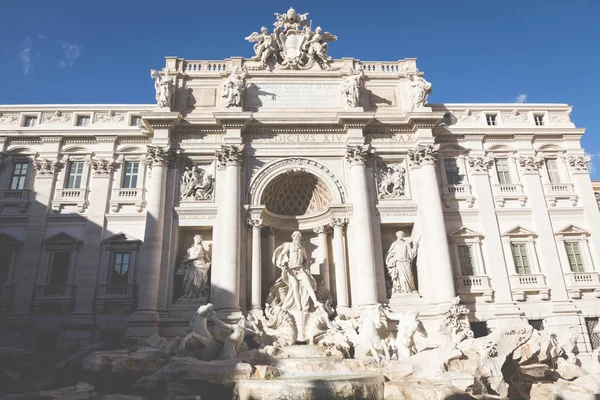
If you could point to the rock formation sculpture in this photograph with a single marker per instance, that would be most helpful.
(456, 322)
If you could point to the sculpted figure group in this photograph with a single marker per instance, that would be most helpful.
(196, 184)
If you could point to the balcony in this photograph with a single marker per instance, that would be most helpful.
(459, 192)
(6, 297)
(50, 299)
(510, 191)
(522, 284)
(555, 191)
(578, 282)
(75, 197)
(113, 298)
(17, 198)
(478, 285)
(127, 196)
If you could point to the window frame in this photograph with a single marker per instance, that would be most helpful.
(523, 255)
(133, 117)
(539, 119)
(27, 176)
(125, 174)
(508, 171)
(460, 177)
(113, 263)
(119, 243)
(467, 237)
(81, 174)
(519, 235)
(56, 243)
(575, 234)
(29, 116)
(491, 119)
(78, 118)
(14, 247)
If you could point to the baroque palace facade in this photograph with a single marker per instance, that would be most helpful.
(101, 205)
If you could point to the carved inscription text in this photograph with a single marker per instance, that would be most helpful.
(259, 95)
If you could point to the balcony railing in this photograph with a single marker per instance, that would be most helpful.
(529, 283)
(555, 191)
(582, 281)
(19, 198)
(509, 191)
(128, 196)
(50, 299)
(67, 196)
(116, 298)
(54, 291)
(509, 188)
(460, 192)
(475, 284)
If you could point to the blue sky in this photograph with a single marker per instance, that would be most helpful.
(471, 50)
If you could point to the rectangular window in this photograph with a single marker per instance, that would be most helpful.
(465, 256)
(491, 119)
(453, 176)
(5, 261)
(574, 256)
(503, 171)
(521, 258)
(30, 121)
(59, 270)
(83, 120)
(120, 268)
(135, 120)
(75, 175)
(553, 172)
(19, 176)
(539, 120)
(130, 174)
(592, 324)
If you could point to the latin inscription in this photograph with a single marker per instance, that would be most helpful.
(391, 138)
(259, 95)
(297, 138)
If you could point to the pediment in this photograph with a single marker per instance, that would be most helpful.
(572, 230)
(121, 237)
(62, 238)
(518, 231)
(8, 240)
(464, 231)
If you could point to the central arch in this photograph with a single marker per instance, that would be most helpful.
(296, 193)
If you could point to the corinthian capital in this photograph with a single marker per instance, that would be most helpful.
(102, 167)
(230, 155)
(158, 155)
(579, 163)
(480, 164)
(358, 154)
(530, 163)
(423, 154)
(46, 168)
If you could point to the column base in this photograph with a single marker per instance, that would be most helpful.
(143, 324)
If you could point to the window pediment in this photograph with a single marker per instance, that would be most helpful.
(7, 240)
(572, 230)
(62, 238)
(519, 231)
(122, 239)
(465, 232)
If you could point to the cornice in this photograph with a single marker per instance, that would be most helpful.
(195, 213)
(126, 217)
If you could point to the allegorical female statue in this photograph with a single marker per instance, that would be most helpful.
(165, 88)
(398, 260)
(295, 289)
(194, 269)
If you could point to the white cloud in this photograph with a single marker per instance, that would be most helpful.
(71, 54)
(521, 98)
(591, 166)
(41, 36)
(25, 56)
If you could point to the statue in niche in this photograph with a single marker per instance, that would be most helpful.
(391, 182)
(350, 87)
(265, 47)
(295, 289)
(194, 269)
(196, 184)
(420, 90)
(165, 88)
(398, 260)
(234, 86)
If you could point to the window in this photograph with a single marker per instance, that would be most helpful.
(75, 175)
(521, 258)
(19, 176)
(136, 120)
(30, 121)
(537, 324)
(130, 174)
(120, 268)
(503, 171)
(59, 270)
(5, 262)
(491, 119)
(553, 172)
(574, 256)
(539, 120)
(453, 176)
(465, 256)
(83, 120)
(592, 325)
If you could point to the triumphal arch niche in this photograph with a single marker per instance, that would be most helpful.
(292, 149)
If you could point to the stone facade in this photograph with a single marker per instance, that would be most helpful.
(99, 205)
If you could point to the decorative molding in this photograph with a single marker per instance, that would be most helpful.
(102, 167)
(109, 117)
(230, 155)
(480, 164)
(530, 164)
(320, 230)
(8, 118)
(197, 184)
(579, 163)
(46, 168)
(255, 223)
(57, 117)
(514, 116)
(158, 155)
(125, 217)
(559, 116)
(397, 211)
(195, 213)
(358, 154)
(391, 181)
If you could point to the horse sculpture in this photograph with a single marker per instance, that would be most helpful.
(372, 333)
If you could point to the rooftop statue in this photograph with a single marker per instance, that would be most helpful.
(293, 44)
(165, 88)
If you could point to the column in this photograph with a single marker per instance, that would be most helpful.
(546, 245)
(256, 290)
(339, 264)
(362, 266)
(435, 240)
(81, 322)
(269, 270)
(225, 277)
(144, 322)
(321, 232)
